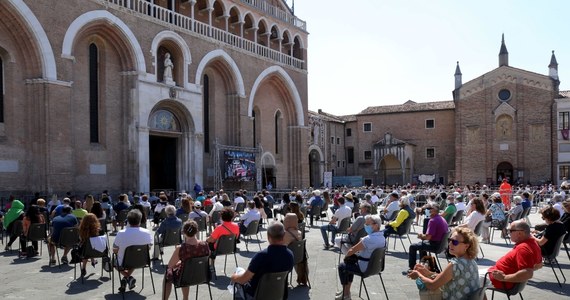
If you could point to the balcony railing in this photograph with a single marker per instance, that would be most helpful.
(142, 7)
(276, 12)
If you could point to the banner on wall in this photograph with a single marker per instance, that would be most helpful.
(239, 166)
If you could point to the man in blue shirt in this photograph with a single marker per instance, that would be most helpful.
(315, 201)
(66, 219)
(170, 222)
(276, 258)
(526, 201)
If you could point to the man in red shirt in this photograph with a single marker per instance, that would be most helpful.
(518, 264)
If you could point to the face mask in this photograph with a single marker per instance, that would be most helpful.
(427, 212)
(368, 229)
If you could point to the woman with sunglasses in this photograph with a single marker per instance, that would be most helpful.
(460, 278)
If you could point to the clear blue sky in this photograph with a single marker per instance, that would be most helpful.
(380, 52)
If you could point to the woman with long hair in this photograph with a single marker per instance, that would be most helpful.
(88, 204)
(191, 247)
(88, 228)
(32, 216)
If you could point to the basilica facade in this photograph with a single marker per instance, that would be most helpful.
(151, 94)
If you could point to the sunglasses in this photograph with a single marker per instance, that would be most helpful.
(453, 242)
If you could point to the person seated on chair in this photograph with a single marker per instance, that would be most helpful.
(190, 248)
(226, 228)
(32, 216)
(363, 249)
(456, 281)
(197, 212)
(349, 239)
(123, 204)
(340, 214)
(315, 201)
(15, 213)
(79, 212)
(554, 229)
(170, 222)
(498, 217)
(90, 228)
(66, 219)
(404, 214)
(431, 240)
(132, 235)
(450, 210)
(565, 219)
(251, 215)
(391, 207)
(515, 210)
(273, 259)
(160, 206)
(237, 200)
(476, 215)
(57, 210)
(519, 264)
(185, 206)
(293, 234)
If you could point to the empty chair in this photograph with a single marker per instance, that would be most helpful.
(457, 218)
(375, 266)
(135, 257)
(252, 229)
(196, 272)
(343, 227)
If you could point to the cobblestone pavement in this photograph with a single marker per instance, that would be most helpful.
(33, 279)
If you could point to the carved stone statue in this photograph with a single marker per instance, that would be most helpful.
(168, 66)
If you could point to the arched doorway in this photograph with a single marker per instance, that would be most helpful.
(164, 143)
(268, 175)
(504, 170)
(390, 170)
(314, 168)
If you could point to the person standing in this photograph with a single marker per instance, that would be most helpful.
(506, 191)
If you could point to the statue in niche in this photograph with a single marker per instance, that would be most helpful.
(504, 127)
(168, 66)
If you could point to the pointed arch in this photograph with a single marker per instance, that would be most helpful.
(88, 17)
(49, 69)
(288, 83)
(221, 54)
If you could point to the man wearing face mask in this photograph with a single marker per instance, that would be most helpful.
(363, 250)
(450, 210)
(437, 228)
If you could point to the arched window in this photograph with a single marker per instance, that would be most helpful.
(206, 114)
(93, 94)
(277, 131)
(164, 120)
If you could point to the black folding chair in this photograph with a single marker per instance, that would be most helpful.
(135, 257)
(68, 238)
(240, 207)
(17, 230)
(566, 242)
(201, 224)
(195, 272)
(270, 286)
(359, 235)
(441, 249)
(298, 249)
(252, 229)
(183, 217)
(403, 229)
(89, 253)
(375, 266)
(551, 259)
(516, 289)
(121, 218)
(171, 237)
(226, 245)
(477, 232)
(37, 233)
(314, 213)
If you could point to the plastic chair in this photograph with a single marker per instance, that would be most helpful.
(252, 229)
(442, 248)
(457, 218)
(201, 225)
(551, 259)
(298, 249)
(183, 217)
(359, 235)
(375, 266)
(171, 237)
(226, 245)
(135, 257)
(270, 286)
(477, 231)
(314, 213)
(121, 218)
(516, 289)
(403, 229)
(196, 272)
(17, 230)
(37, 233)
(479, 294)
(89, 252)
(240, 207)
(68, 237)
(567, 241)
(499, 227)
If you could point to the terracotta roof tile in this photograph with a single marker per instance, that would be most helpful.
(408, 107)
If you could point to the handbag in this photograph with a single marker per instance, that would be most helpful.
(353, 259)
